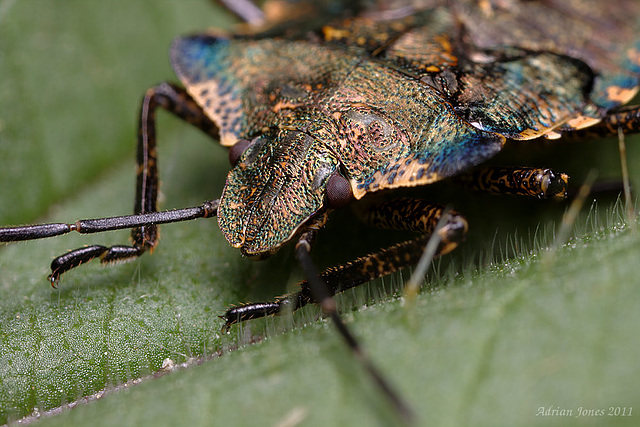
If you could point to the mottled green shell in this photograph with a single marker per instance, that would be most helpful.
(399, 98)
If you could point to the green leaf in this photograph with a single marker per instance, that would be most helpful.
(501, 331)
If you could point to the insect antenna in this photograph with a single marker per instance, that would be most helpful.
(325, 299)
(625, 179)
(98, 225)
(570, 216)
(412, 288)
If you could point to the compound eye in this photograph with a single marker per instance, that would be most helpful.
(235, 152)
(338, 191)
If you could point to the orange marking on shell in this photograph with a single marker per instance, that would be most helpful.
(634, 56)
(228, 135)
(553, 135)
(444, 42)
(235, 205)
(581, 122)
(486, 7)
(332, 33)
(284, 105)
(621, 94)
(531, 133)
(447, 49)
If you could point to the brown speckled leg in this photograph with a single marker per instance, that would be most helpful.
(541, 183)
(407, 214)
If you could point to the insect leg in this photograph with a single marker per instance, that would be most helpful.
(145, 237)
(531, 182)
(245, 10)
(407, 214)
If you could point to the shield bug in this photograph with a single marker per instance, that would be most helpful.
(319, 110)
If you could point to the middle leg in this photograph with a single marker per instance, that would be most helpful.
(540, 183)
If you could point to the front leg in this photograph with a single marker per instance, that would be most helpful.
(177, 101)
